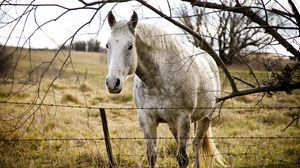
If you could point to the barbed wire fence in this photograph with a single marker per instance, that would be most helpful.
(259, 150)
(248, 154)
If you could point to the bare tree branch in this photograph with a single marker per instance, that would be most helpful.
(254, 17)
(296, 13)
(261, 89)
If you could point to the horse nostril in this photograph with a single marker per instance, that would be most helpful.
(117, 83)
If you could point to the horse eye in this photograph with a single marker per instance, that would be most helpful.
(107, 46)
(130, 47)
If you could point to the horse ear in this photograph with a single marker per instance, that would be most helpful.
(111, 19)
(133, 22)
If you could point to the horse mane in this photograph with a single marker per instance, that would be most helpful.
(149, 35)
(157, 38)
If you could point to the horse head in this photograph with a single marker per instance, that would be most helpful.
(121, 52)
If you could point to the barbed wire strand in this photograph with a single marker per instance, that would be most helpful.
(149, 108)
(141, 138)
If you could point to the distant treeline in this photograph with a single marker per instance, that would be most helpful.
(5, 60)
(88, 46)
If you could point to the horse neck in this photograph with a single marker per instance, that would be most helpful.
(151, 59)
(147, 69)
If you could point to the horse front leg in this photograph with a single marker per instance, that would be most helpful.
(183, 136)
(149, 127)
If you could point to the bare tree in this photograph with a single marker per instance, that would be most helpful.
(231, 37)
(251, 12)
(79, 46)
(93, 45)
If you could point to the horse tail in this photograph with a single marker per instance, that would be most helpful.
(211, 155)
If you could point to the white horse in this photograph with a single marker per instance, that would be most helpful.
(171, 86)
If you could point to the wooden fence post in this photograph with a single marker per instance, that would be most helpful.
(106, 137)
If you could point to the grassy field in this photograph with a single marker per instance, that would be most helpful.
(69, 137)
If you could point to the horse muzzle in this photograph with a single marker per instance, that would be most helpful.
(114, 85)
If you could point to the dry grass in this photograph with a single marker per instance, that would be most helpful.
(87, 88)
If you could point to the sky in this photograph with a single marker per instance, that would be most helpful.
(55, 33)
